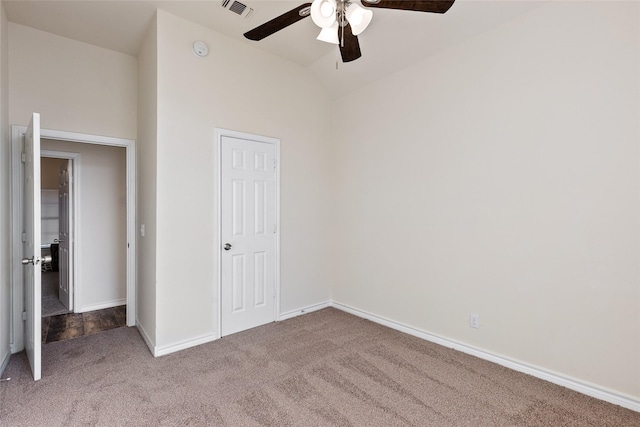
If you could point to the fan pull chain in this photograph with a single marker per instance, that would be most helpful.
(342, 28)
(341, 22)
(341, 43)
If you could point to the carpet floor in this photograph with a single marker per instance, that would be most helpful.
(326, 368)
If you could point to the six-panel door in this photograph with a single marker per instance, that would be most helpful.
(248, 234)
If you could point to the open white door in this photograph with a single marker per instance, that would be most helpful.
(31, 247)
(64, 237)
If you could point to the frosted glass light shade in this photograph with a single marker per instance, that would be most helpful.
(359, 18)
(323, 12)
(329, 34)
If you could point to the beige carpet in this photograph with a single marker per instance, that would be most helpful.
(324, 368)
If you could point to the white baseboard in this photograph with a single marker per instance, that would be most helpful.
(101, 306)
(301, 311)
(5, 362)
(145, 337)
(158, 351)
(593, 390)
(182, 345)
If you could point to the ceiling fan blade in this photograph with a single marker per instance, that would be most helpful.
(350, 49)
(277, 24)
(434, 6)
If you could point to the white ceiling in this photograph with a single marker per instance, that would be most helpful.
(394, 40)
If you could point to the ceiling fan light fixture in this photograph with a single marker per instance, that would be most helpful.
(329, 34)
(326, 9)
(323, 12)
(342, 20)
(358, 17)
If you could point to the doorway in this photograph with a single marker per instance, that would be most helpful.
(127, 202)
(85, 281)
(57, 230)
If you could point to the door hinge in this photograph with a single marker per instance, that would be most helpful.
(24, 237)
(23, 157)
(275, 228)
(275, 163)
(24, 316)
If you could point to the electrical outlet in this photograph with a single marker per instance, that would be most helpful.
(474, 320)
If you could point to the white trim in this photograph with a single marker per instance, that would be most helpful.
(17, 340)
(217, 243)
(101, 306)
(145, 338)
(55, 154)
(299, 312)
(593, 390)
(5, 362)
(182, 345)
(278, 228)
(16, 292)
(74, 247)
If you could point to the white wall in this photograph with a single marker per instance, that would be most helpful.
(102, 244)
(146, 179)
(76, 87)
(49, 172)
(5, 162)
(241, 88)
(501, 177)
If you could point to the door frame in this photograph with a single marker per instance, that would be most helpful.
(217, 241)
(75, 161)
(17, 295)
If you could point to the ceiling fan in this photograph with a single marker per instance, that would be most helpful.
(342, 20)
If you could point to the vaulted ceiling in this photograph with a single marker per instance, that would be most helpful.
(394, 40)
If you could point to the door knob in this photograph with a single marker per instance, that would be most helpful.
(33, 260)
(36, 260)
(227, 246)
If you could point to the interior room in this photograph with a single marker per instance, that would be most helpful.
(50, 228)
(468, 179)
(93, 178)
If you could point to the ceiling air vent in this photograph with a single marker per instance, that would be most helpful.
(238, 8)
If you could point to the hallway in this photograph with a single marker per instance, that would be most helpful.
(51, 305)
